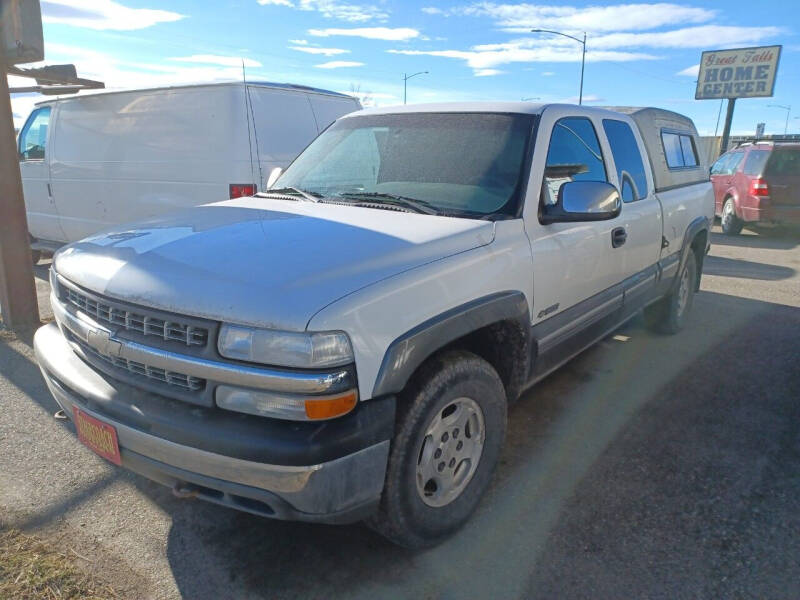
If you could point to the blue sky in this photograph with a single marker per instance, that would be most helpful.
(638, 54)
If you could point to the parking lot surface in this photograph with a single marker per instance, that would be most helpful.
(649, 467)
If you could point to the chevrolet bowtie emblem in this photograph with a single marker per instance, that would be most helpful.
(101, 341)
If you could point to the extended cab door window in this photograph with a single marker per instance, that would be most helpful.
(33, 139)
(628, 160)
(573, 155)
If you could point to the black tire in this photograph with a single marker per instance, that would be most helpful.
(403, 516)
(730, 223)
(36, 255)
(669, 314)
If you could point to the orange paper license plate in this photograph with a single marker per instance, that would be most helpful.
(98, 436)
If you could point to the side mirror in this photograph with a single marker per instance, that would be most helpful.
(273, 176)
(583, 201)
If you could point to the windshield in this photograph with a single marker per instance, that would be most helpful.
(461, 164)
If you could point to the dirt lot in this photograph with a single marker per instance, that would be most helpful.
(649, 467)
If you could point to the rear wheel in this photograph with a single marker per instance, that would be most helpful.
(669, 314)
(731, 224)
(449, 434)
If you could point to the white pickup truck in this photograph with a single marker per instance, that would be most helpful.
(344, 345)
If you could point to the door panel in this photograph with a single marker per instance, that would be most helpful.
(43, 222)
(641, 213)
(571, 261)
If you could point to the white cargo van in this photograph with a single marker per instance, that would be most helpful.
(93, 161)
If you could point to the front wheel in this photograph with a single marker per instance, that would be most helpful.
(669, 314)
(450, 431)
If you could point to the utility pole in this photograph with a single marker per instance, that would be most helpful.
(18, 300)
(788, 110)
(405, 83)
(583, 56)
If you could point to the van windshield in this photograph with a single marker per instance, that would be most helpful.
(458, 164)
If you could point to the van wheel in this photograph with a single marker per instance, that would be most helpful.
(669, 314)
(731, 224)
(36, 255)
(450, 430)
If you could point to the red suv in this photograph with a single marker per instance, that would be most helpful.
(757, 183)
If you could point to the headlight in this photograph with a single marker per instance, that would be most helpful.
(285, 348)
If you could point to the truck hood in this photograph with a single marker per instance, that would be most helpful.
(258, 261)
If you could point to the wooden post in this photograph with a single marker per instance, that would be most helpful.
(18, 302)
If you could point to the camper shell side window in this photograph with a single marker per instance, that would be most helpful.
(679, 149)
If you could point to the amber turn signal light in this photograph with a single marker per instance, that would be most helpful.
(331, 406)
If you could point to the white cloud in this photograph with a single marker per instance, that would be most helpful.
(687, 37)
(432, 10)
(476, 59)
(610, 47)
(103, 14)
(299, 42)
(213, 59)
(547, 73)
(617, 17)
(333, 9)
(692, 71)
(396, 34)
(339, 64)
(322, 51)
(587, 98)
(487, 72)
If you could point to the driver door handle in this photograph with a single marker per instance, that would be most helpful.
(618, 237)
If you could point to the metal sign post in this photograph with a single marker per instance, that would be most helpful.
(20, 308)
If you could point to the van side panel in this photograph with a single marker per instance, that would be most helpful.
(284, 126)
(329, 108)
(123, 157)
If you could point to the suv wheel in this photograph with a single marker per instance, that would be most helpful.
(450, 430)
(669, 314)
(731, 224)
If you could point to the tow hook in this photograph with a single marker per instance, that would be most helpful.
(184, 490)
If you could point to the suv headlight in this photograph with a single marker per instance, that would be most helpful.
(285, 348)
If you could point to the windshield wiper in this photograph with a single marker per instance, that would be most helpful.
(310, 196)
(414, 204)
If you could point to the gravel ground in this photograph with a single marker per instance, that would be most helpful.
(649, 467)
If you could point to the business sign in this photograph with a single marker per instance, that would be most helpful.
(739, 73)
(760, 129)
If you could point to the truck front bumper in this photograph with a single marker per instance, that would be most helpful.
(330, 472)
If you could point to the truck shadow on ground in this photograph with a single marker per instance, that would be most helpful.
(745, 269)
(557, 433)
(779, 238)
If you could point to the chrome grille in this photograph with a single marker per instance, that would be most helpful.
(137, 321)
(181, 380)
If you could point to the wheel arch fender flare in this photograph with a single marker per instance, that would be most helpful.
(406, 353)
(697, 226)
